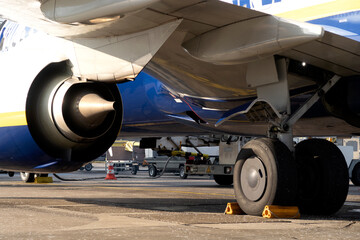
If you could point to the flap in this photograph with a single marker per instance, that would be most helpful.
(259, 110)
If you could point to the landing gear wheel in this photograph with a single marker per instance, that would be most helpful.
(355, 175)
(224, 180)
(264, 174)
(88, 167)
(152, 171)
(182, 173)
(322, 176)
(27, 177)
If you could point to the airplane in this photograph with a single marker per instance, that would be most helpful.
(86, 72)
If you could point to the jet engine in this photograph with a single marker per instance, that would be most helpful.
(71, 119)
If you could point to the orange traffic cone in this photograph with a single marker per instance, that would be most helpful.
(110, 172)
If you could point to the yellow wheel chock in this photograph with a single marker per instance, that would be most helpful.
(272, 211)
(43, 180)
(233, 208)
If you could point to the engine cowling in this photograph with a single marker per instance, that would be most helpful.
(71, 119)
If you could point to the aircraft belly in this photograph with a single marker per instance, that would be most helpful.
(320, 126)
(170, 128)
(324, 126)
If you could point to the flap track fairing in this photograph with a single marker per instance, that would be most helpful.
(251, 40)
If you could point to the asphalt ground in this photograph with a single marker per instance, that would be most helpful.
(139, 207)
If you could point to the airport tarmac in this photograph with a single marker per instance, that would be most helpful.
(139, 207)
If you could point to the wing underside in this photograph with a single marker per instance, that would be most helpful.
(200, 19)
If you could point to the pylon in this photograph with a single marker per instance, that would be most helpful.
(110, 172)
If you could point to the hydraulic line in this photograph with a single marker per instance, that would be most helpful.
(84, 179)
(79, 179)
(162, 172)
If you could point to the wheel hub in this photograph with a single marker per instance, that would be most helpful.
(253, 179)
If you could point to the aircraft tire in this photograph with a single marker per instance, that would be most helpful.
(27, 177)
(355, 177)
(88, 167)
(152, 171)
(264, 174)
(323, 177)
(223, 180)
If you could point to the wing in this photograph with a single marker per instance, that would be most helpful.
(209, 43)
(204, 15)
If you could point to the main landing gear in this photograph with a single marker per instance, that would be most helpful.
(270, 171)
(266, 173)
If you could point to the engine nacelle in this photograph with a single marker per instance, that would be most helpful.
(71, 119)
(343, 100)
